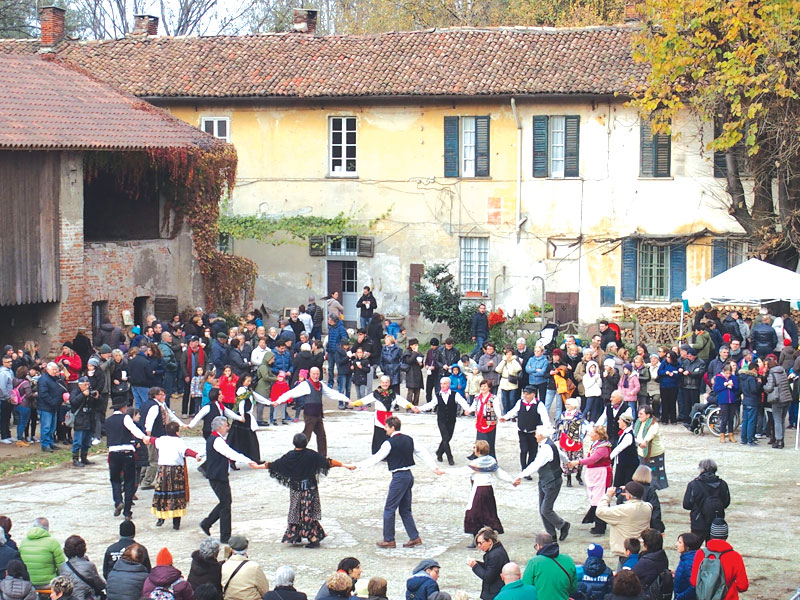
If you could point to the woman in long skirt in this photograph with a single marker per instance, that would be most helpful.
(299, 470)
(481, 508)
(649, 446)
(171, 495)
(242, 436)
(598, 475)
(385, 399)
(571, 429)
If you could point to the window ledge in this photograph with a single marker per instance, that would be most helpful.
(489, 178)
(670, 178)
(560, 178)
(341, 176)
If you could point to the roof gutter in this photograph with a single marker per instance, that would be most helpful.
(366, 99)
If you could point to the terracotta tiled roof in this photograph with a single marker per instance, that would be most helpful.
(447, 62)
(46, 105)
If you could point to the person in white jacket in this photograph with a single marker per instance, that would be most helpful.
(593, 389)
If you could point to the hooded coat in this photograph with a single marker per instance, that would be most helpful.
(595, 578)
(420, 585)
(545, 572)
(42, 555)
(166, 576)
(12, 588)
(706, 497)
(458, 381)
(125, 581)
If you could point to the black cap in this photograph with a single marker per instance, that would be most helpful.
(529, 389)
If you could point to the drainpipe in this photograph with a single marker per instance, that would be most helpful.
(519, 166)
(494, 287)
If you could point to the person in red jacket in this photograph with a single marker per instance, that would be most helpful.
(69, 363)
(732, 563)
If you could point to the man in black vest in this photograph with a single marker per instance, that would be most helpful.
(548, 465)
(446, 400)
(120, 433)
(156, 415)
(218, 455)
(399, 452)
(612, 414)
(530, 413)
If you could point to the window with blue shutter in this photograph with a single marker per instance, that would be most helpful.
(719, 257)
(655, 153)
(677, 271)
(540, 133)
(608, 295)
(451, 147)
(556, 144)
(630, 255)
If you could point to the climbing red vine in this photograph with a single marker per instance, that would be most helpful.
(194, 179)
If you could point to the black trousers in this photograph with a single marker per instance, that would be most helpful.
(669, 397)
(122, 470)
(222, 511)
(186, 402)
(527, 448)
(446, 430)
(431, 383)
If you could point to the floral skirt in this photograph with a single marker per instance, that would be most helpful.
(573, 456)
(171, 493)
(659, 470)
(483, 512)
(304, 515)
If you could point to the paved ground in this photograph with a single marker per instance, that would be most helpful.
(763, 517)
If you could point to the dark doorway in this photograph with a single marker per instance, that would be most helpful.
(99, 312)
(343, 278)
(140, 309)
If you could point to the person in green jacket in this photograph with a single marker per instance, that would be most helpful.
(552, 574)
(41, 553)
(702, 342)
(514, 588)
(265, 379)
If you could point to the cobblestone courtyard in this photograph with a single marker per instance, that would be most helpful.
(763, 517)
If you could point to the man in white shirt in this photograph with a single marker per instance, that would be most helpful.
(530, 413)
(399, 451)
(446, 400)
(548, 466)
(313, 390)
(156, 415)
(120, 434)
(218, 455)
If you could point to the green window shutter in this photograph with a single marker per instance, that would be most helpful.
(719, 257)
(451, 147)
(482, 146)
(630, 256)
(540, 131)
(677, 271)
(720, 167)
(662, 155)
(572, 126)
(645, 149)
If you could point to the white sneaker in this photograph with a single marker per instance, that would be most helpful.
(95, 442)
(6, 441)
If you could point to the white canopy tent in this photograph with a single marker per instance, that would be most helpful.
(754, 282)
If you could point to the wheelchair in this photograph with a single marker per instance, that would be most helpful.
(708, 419)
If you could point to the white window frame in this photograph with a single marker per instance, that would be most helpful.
(468, 146)
(216, 121)
(653, 269)
(343, 145)
(557, 141)
(346, 245)
(473, 260)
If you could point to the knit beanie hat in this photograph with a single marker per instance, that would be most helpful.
(787, 342)
(719, 529)
(635, 489)
(595, 550)
(726, 338)
(163, 558)
(127, 529)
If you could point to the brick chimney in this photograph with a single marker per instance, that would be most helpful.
(305, 21)
(634, 10)
(52, 21)
(145, 24)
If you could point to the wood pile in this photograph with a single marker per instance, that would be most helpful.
(661, 324)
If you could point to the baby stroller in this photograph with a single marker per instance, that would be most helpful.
(547, 337)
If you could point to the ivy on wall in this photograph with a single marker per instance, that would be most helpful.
(193, 179)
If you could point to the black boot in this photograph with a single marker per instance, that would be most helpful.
(76, 460)
(84, 457)
(589, 516)
(599, 526)
(569, 480)
(778, 444)
(578, 478)
(176, 523)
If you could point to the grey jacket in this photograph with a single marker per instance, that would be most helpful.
(88, 571)
(777, 387)
(126, 580)
(12, 588)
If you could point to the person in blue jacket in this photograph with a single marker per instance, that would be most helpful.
(595, 578)
(726, 387)
(751, 384)
(537, 372)
(687, 545)
(458, 381)
(668, 383)
(422, 582)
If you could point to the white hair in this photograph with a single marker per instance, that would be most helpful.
(218, 422)
(284, 576)
(305, 347)
(521, 340)
(41, 522)
(544, 430)
(52, 365)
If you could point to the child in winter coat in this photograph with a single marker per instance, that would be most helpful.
(196, 391)
(458, 381)
(359, 369)
(279, 387)
(593, 388)
(344, 376)
(629, 386)
(473, 384)
(210, 381)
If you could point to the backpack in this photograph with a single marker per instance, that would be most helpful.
(662, 587)
(15, 398)
(711, 508)
(711, 582)
(162, 593)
